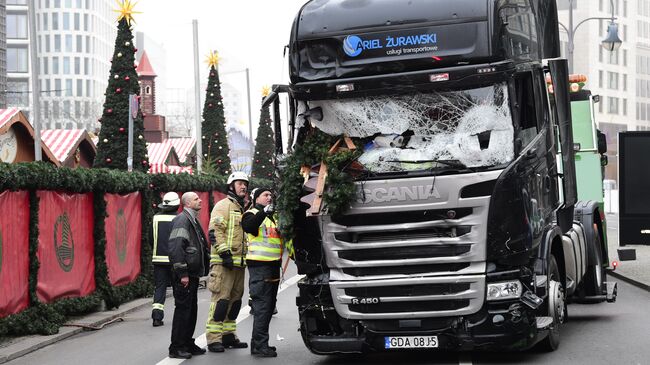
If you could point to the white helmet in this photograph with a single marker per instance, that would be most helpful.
(237, 175)
(170, 200)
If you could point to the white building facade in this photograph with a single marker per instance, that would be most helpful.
(75, 44)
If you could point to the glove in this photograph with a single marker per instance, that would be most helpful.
(211, 237)
(269, 209)
(226, 257)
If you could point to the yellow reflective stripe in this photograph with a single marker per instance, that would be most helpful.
(158, 306)
(231, 228)
(229, 326)
(214, 328)
(236, 260)
(155, 258)
(157, 219)
(275, 249)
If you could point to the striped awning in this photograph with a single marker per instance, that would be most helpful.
(7, 114)
(62, 141)
(161, 168)
(183, 147)
(159, 152)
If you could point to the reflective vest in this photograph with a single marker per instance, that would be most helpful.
(162, 226)
(267, 245)
(225, 220)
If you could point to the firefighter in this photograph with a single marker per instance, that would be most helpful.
(264, 261)
(227, 266)
(162, 270)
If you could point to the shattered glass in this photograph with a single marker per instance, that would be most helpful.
(473, 127)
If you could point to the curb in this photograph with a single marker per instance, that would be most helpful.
(27, 344)
(626, 279)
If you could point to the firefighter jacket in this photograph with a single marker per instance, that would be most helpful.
(188, 247)
(264, 242)
(225, 220)
(162, 227)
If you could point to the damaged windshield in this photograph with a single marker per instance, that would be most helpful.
(471, 128)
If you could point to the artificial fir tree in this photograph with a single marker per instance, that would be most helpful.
(112, 146)
(264, 144)
(213, 129)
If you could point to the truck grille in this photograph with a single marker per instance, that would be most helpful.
(402, 253)
(419, 258)
(404, 270)
(403, 307)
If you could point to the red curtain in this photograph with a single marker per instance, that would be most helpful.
(123, 226)
(65, 245)
(14, 252)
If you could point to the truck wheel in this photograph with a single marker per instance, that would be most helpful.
(595, 275)
(556, 306)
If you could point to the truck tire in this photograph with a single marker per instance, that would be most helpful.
(595, 275)
(556, 306)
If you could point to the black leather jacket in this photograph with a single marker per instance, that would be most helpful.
(188, 247)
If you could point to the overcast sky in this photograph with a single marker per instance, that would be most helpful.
(246, 33)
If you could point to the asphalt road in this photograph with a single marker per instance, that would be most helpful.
(595, 334)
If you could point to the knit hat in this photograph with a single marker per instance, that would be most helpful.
(257, 192)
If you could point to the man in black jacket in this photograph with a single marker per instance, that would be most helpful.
(189, 256)
(162, 270)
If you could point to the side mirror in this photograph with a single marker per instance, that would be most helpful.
(602, 142)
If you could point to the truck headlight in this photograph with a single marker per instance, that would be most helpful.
(504, 290)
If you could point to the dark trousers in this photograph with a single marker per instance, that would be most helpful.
(162, 277)
(185, 301)
(263, 289)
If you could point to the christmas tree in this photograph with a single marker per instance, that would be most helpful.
(264, 145)
(213, 128)
(112, 147)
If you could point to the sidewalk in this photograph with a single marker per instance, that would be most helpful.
(635, 272)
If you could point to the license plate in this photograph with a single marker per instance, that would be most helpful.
(410, 342)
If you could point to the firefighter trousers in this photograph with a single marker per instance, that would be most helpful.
(227, 287)
(162, 277)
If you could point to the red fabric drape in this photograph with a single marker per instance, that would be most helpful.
(14, 252)
(123, 226)
(65, 246)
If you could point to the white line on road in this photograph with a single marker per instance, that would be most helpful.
(464, 358)
(244, 313)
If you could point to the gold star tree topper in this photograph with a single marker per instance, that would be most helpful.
(212, 59)
(266, 90)
(125, 10)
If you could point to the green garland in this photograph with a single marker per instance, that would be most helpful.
(339, 187)
(47, 318)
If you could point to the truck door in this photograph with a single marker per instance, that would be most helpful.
(561, 111)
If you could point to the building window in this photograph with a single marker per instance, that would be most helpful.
(77, 65)
(66, 109)
(624, 82)
(17, 26)
(600, 78)
(88, 89)
(46, 109)
(66, 21)
(46, 68)
(86, 66)
(66, 65)
(55, 65)
(77, 20)
(55, 20)
(45, 21)
(68, 42)
(77, 109)
(624, 105)
(16, 2)
(58, 87)
(85, 22)
(612, 80)
(80, 85)
(147, 90)
(68, 87)
(17, 60)
(57, 43)
(18, 93)
(79, 43)
(612, 105)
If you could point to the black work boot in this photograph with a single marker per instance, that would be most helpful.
(230, 342)
(216, 347)
(264, 352)
(158, 322)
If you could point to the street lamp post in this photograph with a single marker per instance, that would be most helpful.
(611, 43)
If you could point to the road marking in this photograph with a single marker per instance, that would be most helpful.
(464, 358)
(244, 313)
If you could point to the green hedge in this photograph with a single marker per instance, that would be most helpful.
(44, 318)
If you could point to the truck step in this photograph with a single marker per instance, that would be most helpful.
(544, 323)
